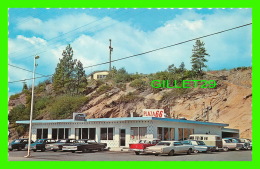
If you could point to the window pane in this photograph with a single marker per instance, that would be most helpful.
(187, 133)
(159, 133)
(92, 133)
(110, 133)
(84, 133)
(142, 132)
(39, 133)
(67, 133)
(172, 134)
(134, 133)
(103, 133)
(180, 130)
(61, 133)
(45, 133)
(166, 134)
(54, 134)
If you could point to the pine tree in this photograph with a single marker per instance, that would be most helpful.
(63, 80)
(80, 78)
(198, 57)
(25, 87)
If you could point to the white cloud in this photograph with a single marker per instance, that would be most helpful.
(91, 46)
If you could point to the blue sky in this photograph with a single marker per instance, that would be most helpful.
(46, 32)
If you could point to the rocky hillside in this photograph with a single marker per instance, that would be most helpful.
(230, 102)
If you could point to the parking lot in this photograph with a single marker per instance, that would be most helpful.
(129, 156)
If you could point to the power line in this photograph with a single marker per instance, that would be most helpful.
(170, 45)
(24, 69)
(150, 50)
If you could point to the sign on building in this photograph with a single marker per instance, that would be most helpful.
(79, 116)
(153, 113)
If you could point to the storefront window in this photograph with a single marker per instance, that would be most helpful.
(184, 133)
(60, 133)
(165, 133)
(138, 133)
(85, 133)
(106, 133)
(134, 133)
(142, 132)
(159, 133)
(42, 133)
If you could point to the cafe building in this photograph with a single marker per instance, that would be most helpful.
(121, 131)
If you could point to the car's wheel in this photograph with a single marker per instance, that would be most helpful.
(54, 150)
(10, 149)
(43, 149)
(171, 153)
(237, 148)
(156, 154)
(19, 148)
(101, 149)
(189, 151)
(137, 153)
(225, 148)
(73, 151)
(196, 151)
(34, 150)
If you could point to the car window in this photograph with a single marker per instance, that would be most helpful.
(191, 137)
(16, 141)
(40, 141)
(186, 142)
(177, 143)
(91, 141)
(200, 143)
(164, 143)
(227, 141)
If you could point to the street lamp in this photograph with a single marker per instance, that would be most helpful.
(31, 113)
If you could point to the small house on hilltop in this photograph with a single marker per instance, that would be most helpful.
(98, 75)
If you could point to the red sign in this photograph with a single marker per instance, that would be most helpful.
(153, 113)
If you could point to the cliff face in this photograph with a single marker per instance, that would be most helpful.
(230, 102)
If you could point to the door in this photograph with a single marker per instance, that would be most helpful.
(122, 137)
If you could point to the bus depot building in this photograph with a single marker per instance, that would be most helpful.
(120, 132)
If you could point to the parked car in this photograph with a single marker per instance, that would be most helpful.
(229, 145)
(142, 144)
(84, 145)
(209, 139)
(199, 146)
(59, 144)
(247, 143)
(18, 144)
(169, 147)
(244, 145)
(40, 144)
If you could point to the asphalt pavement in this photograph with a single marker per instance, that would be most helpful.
(245, 155)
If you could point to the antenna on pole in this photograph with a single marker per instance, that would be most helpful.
(110, 51)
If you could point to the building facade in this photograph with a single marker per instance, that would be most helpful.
(98, 75)
(120, 132)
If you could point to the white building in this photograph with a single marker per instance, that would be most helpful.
(120, 132)
(98, 75)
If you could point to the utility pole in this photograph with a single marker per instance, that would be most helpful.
(110, 52)
(31, 113)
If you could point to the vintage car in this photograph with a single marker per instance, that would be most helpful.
(40, 144)
(247, 143)
(240, 144)
(84, 145)
(229, 145)
(209, 139)
(18, 144)
(199, 146)
(142, 144)
(169, 147)
(59, 144)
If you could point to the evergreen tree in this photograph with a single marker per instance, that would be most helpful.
(63, 78)
(182, 67)
(198, 57)
(25, 87)
(80, 78)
